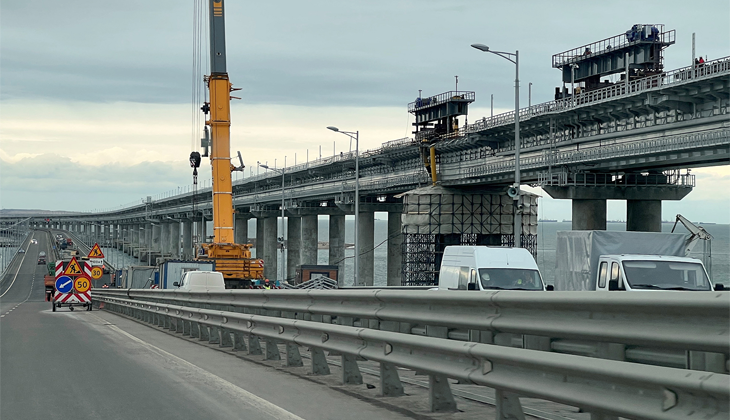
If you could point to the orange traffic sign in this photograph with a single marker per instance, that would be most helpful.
(82, 284)
(96, 252)
(73, 268)
(96, 273)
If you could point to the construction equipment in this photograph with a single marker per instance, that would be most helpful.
(231, 259)
(698, 233)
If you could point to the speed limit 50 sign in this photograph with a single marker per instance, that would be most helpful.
(82, 284)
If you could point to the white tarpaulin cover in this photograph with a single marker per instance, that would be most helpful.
(577, 252)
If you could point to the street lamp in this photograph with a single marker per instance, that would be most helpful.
(356, 136)
(513, 58)
(283, 272)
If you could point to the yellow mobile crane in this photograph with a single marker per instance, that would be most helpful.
(232, 259)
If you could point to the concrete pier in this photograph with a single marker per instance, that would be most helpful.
(395, 248)
(294, 246)
(241, 230)
(309, 239)
(644, 215)
(174, 240)
(337, 244)
(260, 234)
(589, 214)
(366, 237)
(270, 248)
(187, 226)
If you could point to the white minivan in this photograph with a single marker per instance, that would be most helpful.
(489, 268)
(201, 281)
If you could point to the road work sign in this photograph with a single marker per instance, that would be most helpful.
(96, 252)
(73, 268)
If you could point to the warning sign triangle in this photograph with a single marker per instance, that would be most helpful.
(96, 252)
(73, 268)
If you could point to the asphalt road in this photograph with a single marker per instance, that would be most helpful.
(92, 365)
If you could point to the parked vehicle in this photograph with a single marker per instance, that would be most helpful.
(172, 271)
(627, 261)
(489, 268)
(201, 281)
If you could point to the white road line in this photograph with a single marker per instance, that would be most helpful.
(17, 272)
(244, 396)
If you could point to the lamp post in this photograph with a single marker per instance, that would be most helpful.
(356, 136)
(513, 58)
(281, 171)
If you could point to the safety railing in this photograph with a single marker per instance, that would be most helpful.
(693, 322)
(709, 69)
(439, 99)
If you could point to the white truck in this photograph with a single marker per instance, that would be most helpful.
(627, 261)
(201, 281)
(489, 268)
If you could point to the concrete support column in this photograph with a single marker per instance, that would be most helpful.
(174, 239)
(310, 237)
(147, 244)
(270, 251)
(241, 230)
(395, 251)
(188, 239)
(165, 238)
(337, 245)
(157, 237)
(294, 246)
(260, 235)
(366, 237)
(589, 214)
(644, 215)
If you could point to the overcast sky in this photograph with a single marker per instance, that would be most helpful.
(95, 97)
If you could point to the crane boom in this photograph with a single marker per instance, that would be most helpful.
(231, 259)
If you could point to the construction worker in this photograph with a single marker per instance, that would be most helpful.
(267, 284)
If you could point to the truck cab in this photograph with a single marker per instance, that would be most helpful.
(489, 268)
(651, 272)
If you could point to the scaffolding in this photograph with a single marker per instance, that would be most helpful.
(435, 217)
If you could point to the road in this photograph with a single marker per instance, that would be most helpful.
(91, 365)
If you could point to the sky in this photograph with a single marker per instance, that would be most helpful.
(96, 98)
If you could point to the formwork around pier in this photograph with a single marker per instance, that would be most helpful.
(435, 217)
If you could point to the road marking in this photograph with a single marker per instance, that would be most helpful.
(203, 375)
(17, 272)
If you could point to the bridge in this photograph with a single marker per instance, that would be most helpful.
(370, 353)
(627, 140)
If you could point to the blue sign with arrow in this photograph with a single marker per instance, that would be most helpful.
(64, 284)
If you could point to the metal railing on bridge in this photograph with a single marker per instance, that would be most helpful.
(382, 326)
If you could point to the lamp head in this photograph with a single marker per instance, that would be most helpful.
(333, 128)
(480, 47)
(264, 166)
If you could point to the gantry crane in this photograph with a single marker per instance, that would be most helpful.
(232, 259)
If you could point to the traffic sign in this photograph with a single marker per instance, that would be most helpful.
(82, 284)
(96, 273)
(73, 268)
(96, 261)
(59, 268)
(64, 284)
(96, 252)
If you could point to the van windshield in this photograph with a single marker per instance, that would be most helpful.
(510, 278)
(666, 275)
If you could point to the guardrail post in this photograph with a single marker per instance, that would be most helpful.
(239, 342)
(390, 384)
(166, 322)
(213, 335)
(186, 327)
(272, 350)
(224, 338)
(710, 362)
(350, 372)
(319, 362)
(440, 398)
(254, 347)
(293, 358)
(173, 324)
(204, 334)
(508, 405)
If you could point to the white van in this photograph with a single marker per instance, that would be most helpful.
(201, 281)
(489, 268)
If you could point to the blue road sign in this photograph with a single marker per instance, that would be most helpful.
(64, 284)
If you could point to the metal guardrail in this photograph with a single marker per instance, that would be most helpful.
(604, 387)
